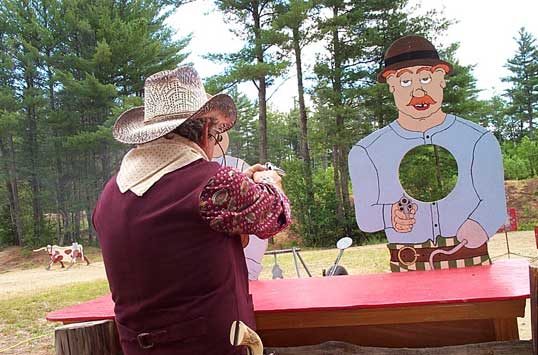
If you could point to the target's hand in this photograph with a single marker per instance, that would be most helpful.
(473, 233)
(402, 222)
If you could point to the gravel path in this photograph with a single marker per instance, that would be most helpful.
(24, 281)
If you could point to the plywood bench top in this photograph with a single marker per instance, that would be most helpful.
(504, 280)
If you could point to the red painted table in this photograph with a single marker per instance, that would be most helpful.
(416, 309)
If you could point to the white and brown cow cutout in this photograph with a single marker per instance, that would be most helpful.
(58, 254)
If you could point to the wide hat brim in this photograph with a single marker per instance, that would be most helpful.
(130, 127)
(413, 63)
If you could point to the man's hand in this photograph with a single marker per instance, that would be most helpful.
(473, 233)
(401, 222)
(254, 169)
(268, 177)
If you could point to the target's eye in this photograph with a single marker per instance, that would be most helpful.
(405, 83)
(425, 80)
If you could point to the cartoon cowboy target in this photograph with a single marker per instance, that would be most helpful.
(446, 233)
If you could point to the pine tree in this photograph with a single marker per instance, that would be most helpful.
(356, 36)
(255, 62)
(292, 22)
(523, 94)
(77, 64)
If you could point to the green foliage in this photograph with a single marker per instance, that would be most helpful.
(67, 70)
(523, 93)
(428, 173)
(520, 159)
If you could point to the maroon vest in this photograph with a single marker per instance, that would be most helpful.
(170, 274)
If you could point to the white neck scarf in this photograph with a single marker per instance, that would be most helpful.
(145, 164)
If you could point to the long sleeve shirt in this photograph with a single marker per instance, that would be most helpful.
(233, 203)
(478, 195)
(256, 247)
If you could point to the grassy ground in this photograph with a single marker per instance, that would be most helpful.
(22, 316)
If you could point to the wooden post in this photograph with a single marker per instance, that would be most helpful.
(88, 338)
(533, 276)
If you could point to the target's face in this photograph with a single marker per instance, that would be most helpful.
(418, 91)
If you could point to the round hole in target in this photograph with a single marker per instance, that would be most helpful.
(428, 173)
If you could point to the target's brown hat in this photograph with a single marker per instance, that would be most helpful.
(410, 51)
(172, 97)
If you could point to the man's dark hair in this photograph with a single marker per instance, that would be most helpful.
(192, 128)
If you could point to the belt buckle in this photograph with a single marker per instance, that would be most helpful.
(144, 342)
(407, 263)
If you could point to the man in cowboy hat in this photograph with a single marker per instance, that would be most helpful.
(451, 232)
(169, 222)
(253, 247)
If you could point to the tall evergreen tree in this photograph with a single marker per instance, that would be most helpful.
(294, 23)
(255, 62)
(77, 65)
(356, 36)
(523, 94)
(9, 118)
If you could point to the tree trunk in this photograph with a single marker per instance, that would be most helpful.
(344, 177)
(303, 131)
(530, 119)
(33, 157)
(337, 187)
(8, 157)
(438, 168)
(61, 187)
(90, 226)
(262, 86)
(77, 226)
(338, 148)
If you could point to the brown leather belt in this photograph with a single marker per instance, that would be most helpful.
(408, 255)
(177, 332)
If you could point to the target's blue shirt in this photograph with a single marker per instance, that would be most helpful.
(478, 195)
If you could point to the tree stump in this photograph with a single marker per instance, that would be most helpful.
(88, 338)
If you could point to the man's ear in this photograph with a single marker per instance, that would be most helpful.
(391, 81)
(440, 74)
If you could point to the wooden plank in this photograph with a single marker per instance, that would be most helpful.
(401, 315)
(99, 337)
(533, 277)
(501, 281)
(411, 335)
(506, 329)
(494, 348)
(504, 280)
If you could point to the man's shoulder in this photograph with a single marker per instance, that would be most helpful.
(375, 137)
(462, 123)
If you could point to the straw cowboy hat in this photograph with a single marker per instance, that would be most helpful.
(172, 97)
(410, 51)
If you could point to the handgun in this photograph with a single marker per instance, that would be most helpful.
(405, 205)
(271, 166)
